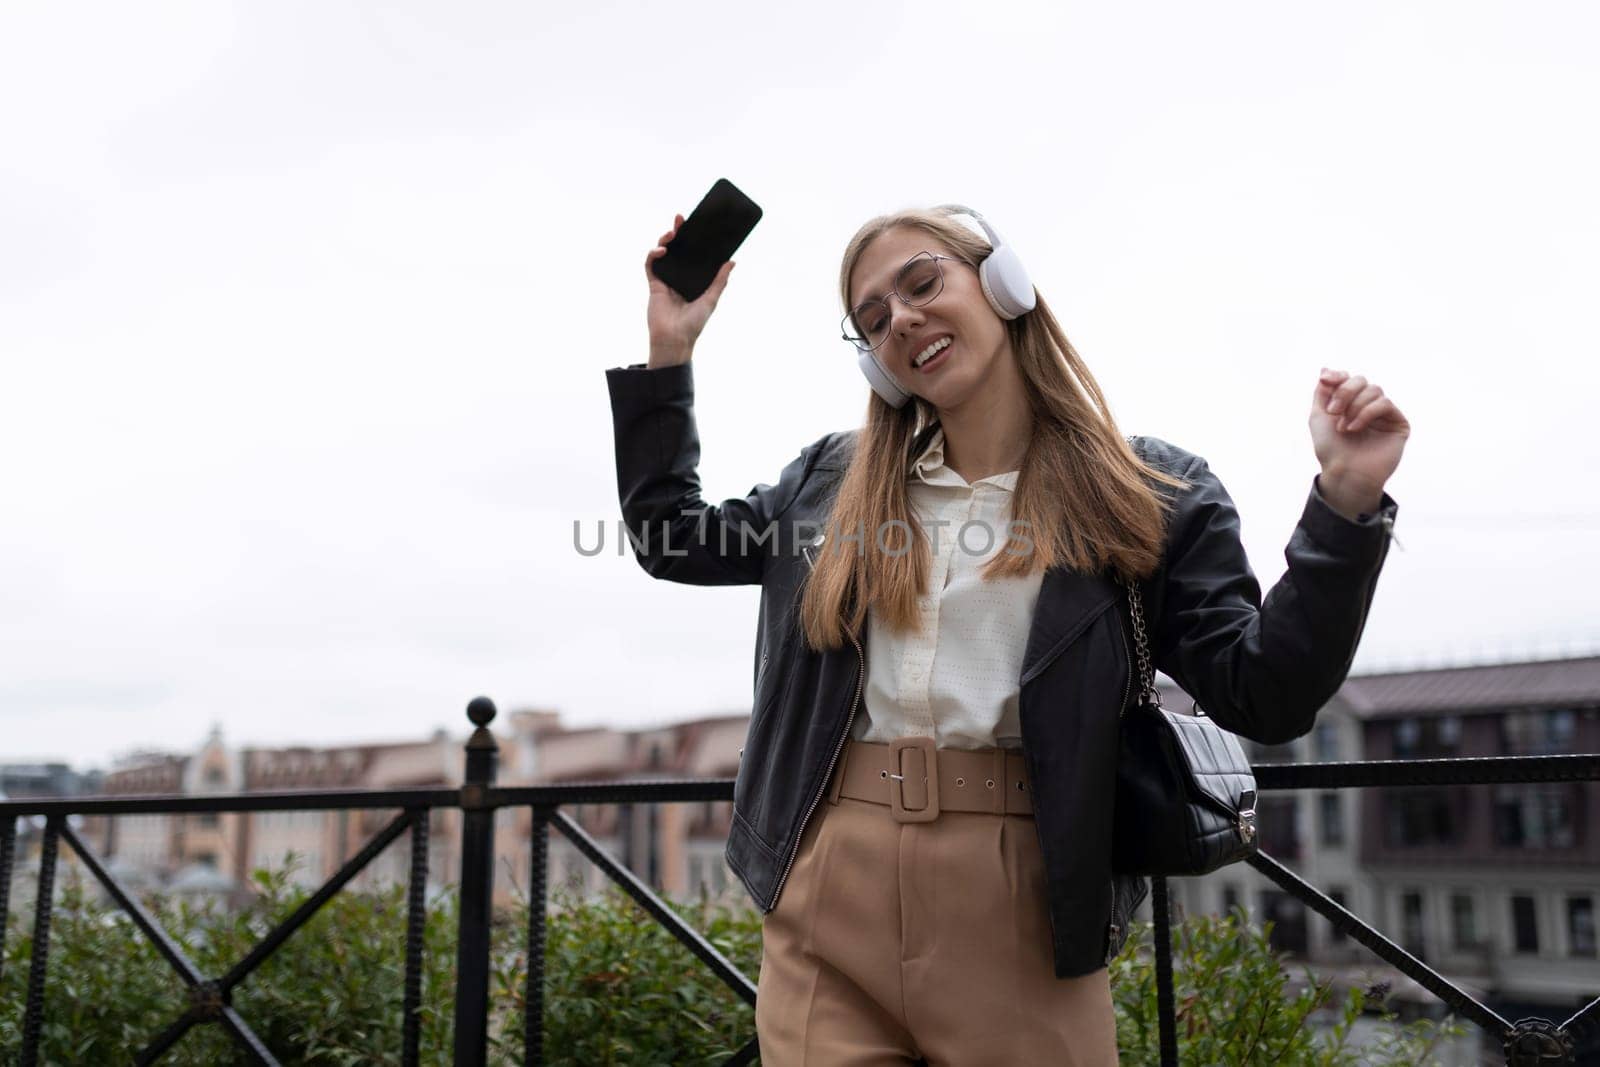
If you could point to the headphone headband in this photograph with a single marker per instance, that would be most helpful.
(1006, 286)
(954, 210)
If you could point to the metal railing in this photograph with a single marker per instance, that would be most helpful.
(1526, 1041)
(210, 997)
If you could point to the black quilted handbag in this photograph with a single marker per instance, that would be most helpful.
(1186, 796)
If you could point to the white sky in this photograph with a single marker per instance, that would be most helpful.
(305, 308)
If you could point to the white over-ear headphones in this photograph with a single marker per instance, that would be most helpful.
(1005, 283)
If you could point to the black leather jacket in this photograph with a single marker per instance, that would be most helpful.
(1260, 669)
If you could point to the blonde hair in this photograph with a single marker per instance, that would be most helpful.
(1085, 499)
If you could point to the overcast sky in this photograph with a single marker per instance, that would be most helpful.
(305, 309)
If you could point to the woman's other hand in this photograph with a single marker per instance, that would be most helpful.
(1358, 434)
(675, 323)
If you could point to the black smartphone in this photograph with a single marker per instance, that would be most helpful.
(707, 239)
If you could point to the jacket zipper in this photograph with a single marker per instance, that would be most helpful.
(1388, 528)
(861, 675)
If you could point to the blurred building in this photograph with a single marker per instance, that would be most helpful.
(36, 781)
(215, 853)
(677, 848)
(1494, 886)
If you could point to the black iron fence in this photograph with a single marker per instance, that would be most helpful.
(1526, 1041)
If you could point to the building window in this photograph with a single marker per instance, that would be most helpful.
(1287, 915)
(1524, 924)
(1279, 821)
(1325, 742)
(1438, 737)
(1580, 926)
(1548, 732)
(1341, 898)
(1411, 923)
(1463, 921)
(1535, 816)
(208, 820)
(1332, 812)
(1450, 732)
(1414, 817)
(1407, 732)
(1230, 897)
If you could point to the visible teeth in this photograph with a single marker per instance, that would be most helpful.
(931, 351)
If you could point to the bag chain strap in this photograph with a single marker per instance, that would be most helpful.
(1141, 643)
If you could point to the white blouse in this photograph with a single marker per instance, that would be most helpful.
(958, 678)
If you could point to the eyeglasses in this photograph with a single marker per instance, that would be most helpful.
(918, 283)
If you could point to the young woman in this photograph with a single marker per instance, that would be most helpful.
(923, 808)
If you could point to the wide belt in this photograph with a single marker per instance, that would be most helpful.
(917, 780)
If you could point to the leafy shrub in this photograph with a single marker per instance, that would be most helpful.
(331, 996)
(619, 989)
(1233, 1004)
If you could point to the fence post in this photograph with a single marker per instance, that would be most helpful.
(538, 901)
(8, 846)
(33, 1012)
(416, 931)
(1166, 1010)
(477, 890)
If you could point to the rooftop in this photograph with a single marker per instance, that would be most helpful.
(1537, 684)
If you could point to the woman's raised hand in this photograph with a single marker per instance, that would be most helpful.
(675, 323)
(1358, 435)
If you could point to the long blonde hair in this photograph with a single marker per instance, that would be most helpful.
(1085, 500)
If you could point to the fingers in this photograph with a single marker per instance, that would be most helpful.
(650, 257)
(670, 234)
(661, 245)
(719, 283)
(1343, 393)
(1327, 381)
(1381, 413)
(1357, 408)
(1355, 403)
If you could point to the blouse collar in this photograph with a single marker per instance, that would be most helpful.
(931, 468)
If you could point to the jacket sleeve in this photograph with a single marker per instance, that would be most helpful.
(675, 534)
(1263, 669)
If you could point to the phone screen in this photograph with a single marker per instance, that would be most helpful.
(707, 239)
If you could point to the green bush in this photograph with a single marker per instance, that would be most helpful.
(618, 988)
(331, 996)
(1234, 1005)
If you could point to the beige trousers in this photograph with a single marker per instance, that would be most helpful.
(894, 941)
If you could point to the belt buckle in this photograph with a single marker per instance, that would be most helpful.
(897, 777)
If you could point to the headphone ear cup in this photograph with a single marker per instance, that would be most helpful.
(1005, 282)
(880, 379)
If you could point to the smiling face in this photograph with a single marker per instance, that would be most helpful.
(977, 345)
